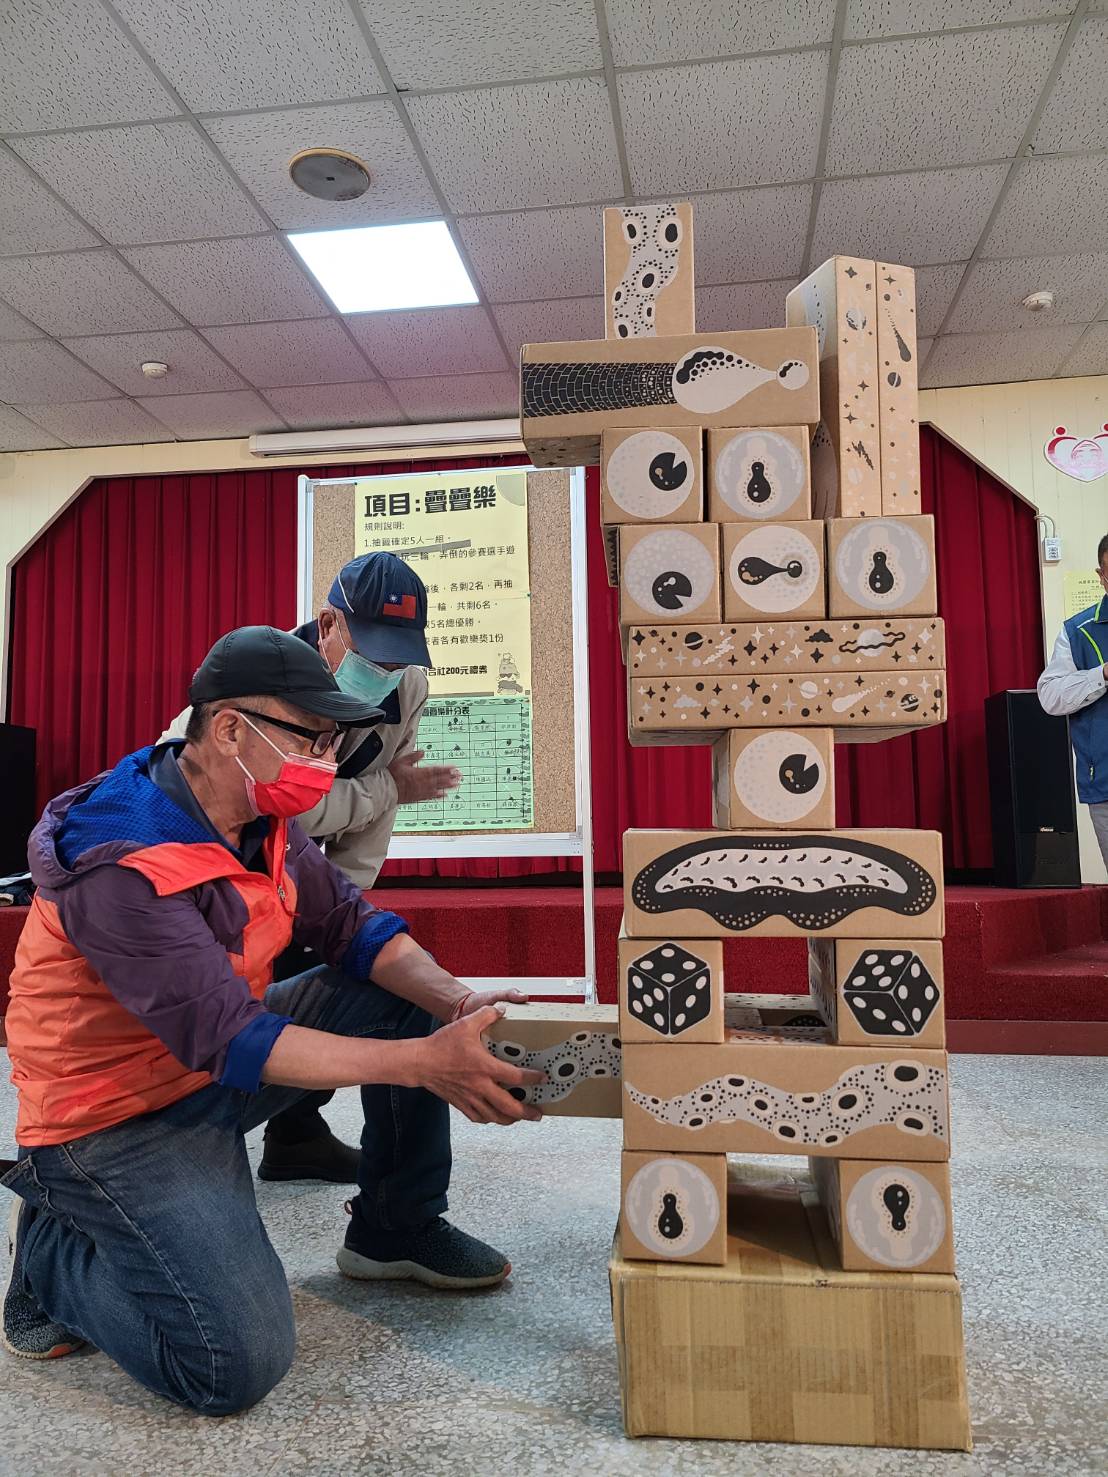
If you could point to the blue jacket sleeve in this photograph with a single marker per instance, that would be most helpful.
(332, 916)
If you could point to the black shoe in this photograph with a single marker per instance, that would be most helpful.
(322, 1158)
(437, 1254)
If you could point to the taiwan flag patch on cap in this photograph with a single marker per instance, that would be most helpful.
(400, 606)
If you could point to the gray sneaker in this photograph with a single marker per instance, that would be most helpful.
(437, 1254)
(26, 1330)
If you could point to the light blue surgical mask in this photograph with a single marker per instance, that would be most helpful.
(364, 679)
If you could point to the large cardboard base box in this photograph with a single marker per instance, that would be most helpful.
(780, 1344)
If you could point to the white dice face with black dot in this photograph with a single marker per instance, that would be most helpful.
(669, 988)
(890, 992)
(650, 474)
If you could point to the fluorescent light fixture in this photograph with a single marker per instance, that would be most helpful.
(371, 269)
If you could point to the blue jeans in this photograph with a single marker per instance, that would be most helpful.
(149, 1243)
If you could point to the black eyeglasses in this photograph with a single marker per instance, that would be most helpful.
(322, 741)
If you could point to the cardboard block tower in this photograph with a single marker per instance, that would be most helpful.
(761, 508)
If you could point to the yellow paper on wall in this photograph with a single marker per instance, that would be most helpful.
(1081, 591)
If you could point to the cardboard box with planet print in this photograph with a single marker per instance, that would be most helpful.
(756, 474)
(786, 645)
(778, 778)
(881, 566)
(652, 476)
(887, 1217)
(669, 571)
(674, 1207)
(773, 569)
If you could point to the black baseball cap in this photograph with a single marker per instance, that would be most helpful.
(264, 662)
(385, 605)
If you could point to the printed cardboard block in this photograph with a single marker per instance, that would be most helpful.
(652, 476)
(786, 1097)
(773, 569)
(839, 299)
(670, 989)
(675, 1207)
(788, 646)
(610, 533)
(755, 1012)
(898, 385)
(755, 474)
(841, 884)
(648, 270)
(577, 1046)
(860, 709)
(881, 566)
(669, 571)
(570, 392)
(874, 991)
(779, 778)
(887, 1217)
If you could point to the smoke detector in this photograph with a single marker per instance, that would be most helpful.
(1038, 302)
(153, 369)
(329, 174)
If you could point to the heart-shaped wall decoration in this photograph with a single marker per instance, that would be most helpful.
(1082, 457)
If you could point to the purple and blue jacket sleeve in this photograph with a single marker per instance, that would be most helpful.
(332, 916)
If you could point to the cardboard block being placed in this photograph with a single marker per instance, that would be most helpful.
(755, 474)
(781, 1344)
(839, 299)
(773, 569)
(788, 646)
(860, 709)
(674, 1207)
(652, 476)
(570, 392)
(783, 1095)
(670, 989)
(783, 884)
(874, 991)
(887, 1217)
(777, 778)
(672, 571)
(648, 270)
(898, 385)
(881, 566)
(577, 1046)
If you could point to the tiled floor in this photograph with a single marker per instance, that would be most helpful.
(522, 1381)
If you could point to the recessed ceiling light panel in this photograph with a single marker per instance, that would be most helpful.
(372, 269)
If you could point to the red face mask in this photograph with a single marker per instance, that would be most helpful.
(301, 783)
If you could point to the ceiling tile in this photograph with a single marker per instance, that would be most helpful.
(651, 31)
(313, 351)
(994, 291)
(937, 100)
(563, 320)
(258, 147)
(997, 358)
(158, 182)
(193, 366)
(1053, 205)
(14, 326)
(1091, 354)
(81, 292)
(255, 53)
(241, 281)
(914, 218)
(432, 341)
(503, 147)
(923, 348)
(318, 407)
(559, 252)
(935, 286)
(42, 371)
(67, 65)
(17, 433)
(1076, 112)
(465, 396)
(900, 17)
(100, 423)
(742, 305)
(748, 235)
(440, 43)
(723, 124)
(30, 218)
(208, 417)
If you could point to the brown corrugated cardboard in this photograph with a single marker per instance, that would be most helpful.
(577, 1046)
(897, 389)
(571, 391)
(876, 991)
(841, 884)
(652, 476)
(778, 778)
(755, 474)
(669, 571)
(887, 1217)
(881, 566)
(674, 1207)
(780, 1344)
(610, 534)
(774, 1092)
(670, 989)
(648, 270)
(701, 649)
(773, 569)
(745, 1011)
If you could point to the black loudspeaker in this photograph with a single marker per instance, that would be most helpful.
(1031, 790)
(17, 807)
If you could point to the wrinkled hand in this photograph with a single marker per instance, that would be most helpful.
(416, 782)
(456, 1064)
(478, 999)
